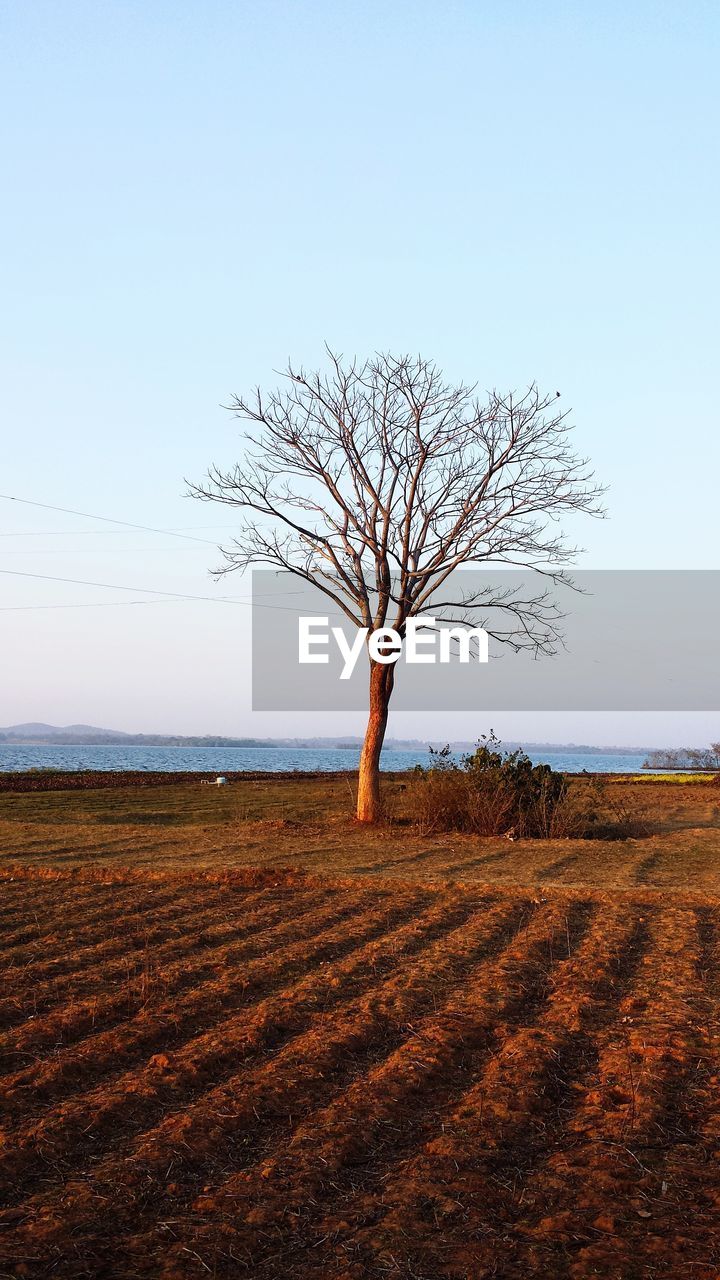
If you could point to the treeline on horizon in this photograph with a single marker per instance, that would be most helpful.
(49, 735)
(685, 758)
(111, 739)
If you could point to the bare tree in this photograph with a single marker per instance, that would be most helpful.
(375, 481)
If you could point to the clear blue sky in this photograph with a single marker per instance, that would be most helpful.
(193, 192)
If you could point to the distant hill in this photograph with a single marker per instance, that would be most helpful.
(87, 735)
(45, 732)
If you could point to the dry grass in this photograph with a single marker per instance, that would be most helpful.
(307, 823)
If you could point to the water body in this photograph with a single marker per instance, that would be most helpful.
(16, 759)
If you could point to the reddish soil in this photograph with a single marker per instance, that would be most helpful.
(266, 1074)
(101, 779)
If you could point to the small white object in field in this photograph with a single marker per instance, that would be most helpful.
(220, 782)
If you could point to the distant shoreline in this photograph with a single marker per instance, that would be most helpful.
(22, 736)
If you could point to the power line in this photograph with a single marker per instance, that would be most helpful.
(113, 586)
(100, 551)
(170, 596)
(91, 533)
(95, 604)
(87, 515)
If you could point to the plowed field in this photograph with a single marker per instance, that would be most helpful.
(270, 1075)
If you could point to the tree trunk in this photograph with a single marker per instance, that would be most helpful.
(381, 685)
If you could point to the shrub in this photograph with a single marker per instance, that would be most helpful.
(491, 792)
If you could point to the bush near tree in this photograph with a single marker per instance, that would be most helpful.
(493, 792)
